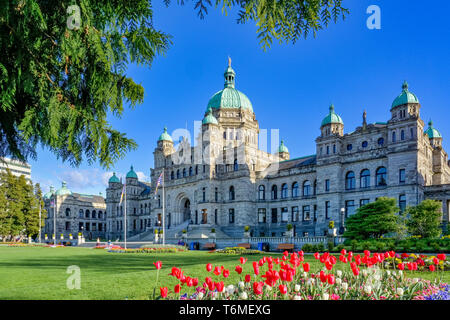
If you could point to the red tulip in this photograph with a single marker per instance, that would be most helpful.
(258, 287)
(158, 264)
(177, 288)
(285, 253)
(255, 267)
(226, 273)
(441, 256)
(436, 261)
(217, 271)
(238, 269)
(194, 282)
(401, 266)
(366, 253)
(261, 262)
(316, 255)
(432, 268)
(209, 267)
(301, 253)
(163, 292)
(248, 278)
(283, 288)
(323, 276)
(176, 272)
(330, 279)
(243, 260)
(328, 265)
(391, 254)
(219, 286)
(306, 267)
(355, 271)
(343, 252)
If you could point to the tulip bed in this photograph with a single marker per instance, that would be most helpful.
(348, 277)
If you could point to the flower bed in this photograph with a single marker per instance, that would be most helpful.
(32, 245)
(147, 250)
(237, 251)
(348, 277)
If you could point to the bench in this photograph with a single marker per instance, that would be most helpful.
(210, 246)
(286, 246)
(244, 245)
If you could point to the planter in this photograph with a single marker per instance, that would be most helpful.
(290, 233)
(332, 232)
(247, 234)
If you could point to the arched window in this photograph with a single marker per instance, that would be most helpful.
(274, 192)
(100, 215)
(350, 181)
(412, 133)
(394, 137)
(236, 166)
(81, 214)
(284, 191)
(261, 193)
(231, 193)
(381, 177)
(184, 172)
(88, 214)
(190, 171)
(295, 189)
(172, 175)
(315, 187)
(402, 135)
(94, 214)
(68, 212)
(196, 169)
(365, 178)
(381, 141)
(364, 144)
(178, 174)
(306, 188)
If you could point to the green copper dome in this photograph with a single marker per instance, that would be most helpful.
(332, 117)
(63, 190)
(114, 179)
(165, 136)
(282, 148)
(132, 174)
(210, 119)
(49, 194)
(229, 97)
(432, 132)
(405, 97)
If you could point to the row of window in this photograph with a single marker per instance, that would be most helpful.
(87, 214)
(380, 178)
(307, 190)
(190, 172)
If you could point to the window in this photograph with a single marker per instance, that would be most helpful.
(67, 225)
(295, 189)
(274, 215)
(402, 176)
(81, 214)
(402, 135)
(365, 144)
(349, 208)
(203, 194)
(178, 174)
(315, 187)
(216, 195)
(315, 213)
(381, 177)
(215, 217)
(327, 185)
(349, 147)
(231, 215)
(94, 214)
(88, 214)
(306, 213)
(262, 215)
(365, 178)
(381, 141)
(350, 181)
(196, 169)
(411, 132)
(284, 215)
(328, 149)
(231, 193)
(402, 202)
(394, 137)
(334, 148)
(67, 213)
(236, 166)
(327, 210)
(306, 188)
(294, 214)
(363, 202)
(284, 191)
(184, 172)
(274, 192)
(261, 192)
(190, 171)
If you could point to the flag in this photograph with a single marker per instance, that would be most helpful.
(123, 192)
(158, 182)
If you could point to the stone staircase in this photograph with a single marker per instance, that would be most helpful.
(170, 233)
(203, 231)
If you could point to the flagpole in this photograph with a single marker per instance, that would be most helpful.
(54, 220)
(39, 220)
(125, 217)
(164, 213)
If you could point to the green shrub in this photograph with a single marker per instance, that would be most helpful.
(435, 246)
(307, 247)
(420, 246)
(340, 247)
(366, 245)
(380, 245)
(354, 245)
(320, 247)
(330, 246)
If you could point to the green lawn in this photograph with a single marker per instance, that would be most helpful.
(40, 273)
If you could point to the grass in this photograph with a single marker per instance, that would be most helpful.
(40, 273)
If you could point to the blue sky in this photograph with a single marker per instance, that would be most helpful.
(290, 86)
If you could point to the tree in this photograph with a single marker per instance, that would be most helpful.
(64, 67)
(374, 220)
(425, 219)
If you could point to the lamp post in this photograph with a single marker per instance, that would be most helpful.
(342, 228)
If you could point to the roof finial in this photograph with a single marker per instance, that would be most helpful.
(430, 123)
(331, 108)
(405, 86)
(229, 62)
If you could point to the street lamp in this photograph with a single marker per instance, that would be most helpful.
(342, 228)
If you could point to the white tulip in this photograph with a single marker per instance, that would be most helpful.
(241, 285)
(415, 280)
(230, 289)
(388, 272)
(400, 273)
(345, 286)
(297, 288)
(296, 297)
(400, 291)
(338, 281)
(268, 288)
(368, 289)
(243, 296)
(200, 296)
(364, 272)
(339, 274)
(305, 275)
(325, 296)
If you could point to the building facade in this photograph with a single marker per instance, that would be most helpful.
(16, 167)
(226, 181)
(75, 213)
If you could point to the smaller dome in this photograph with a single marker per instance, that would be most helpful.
(114, 179)
(282, 148)
(165, 136)
(210, 119)
(49, 194)
(432, 132)
(63, 190)
(405, 97)
(132, 174)
(332, 117)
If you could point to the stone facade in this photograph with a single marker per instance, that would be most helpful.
(226, 182)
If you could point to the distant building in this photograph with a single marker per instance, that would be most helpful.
(16, 167)
(75, 213)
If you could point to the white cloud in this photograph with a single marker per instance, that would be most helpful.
(142, 177)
